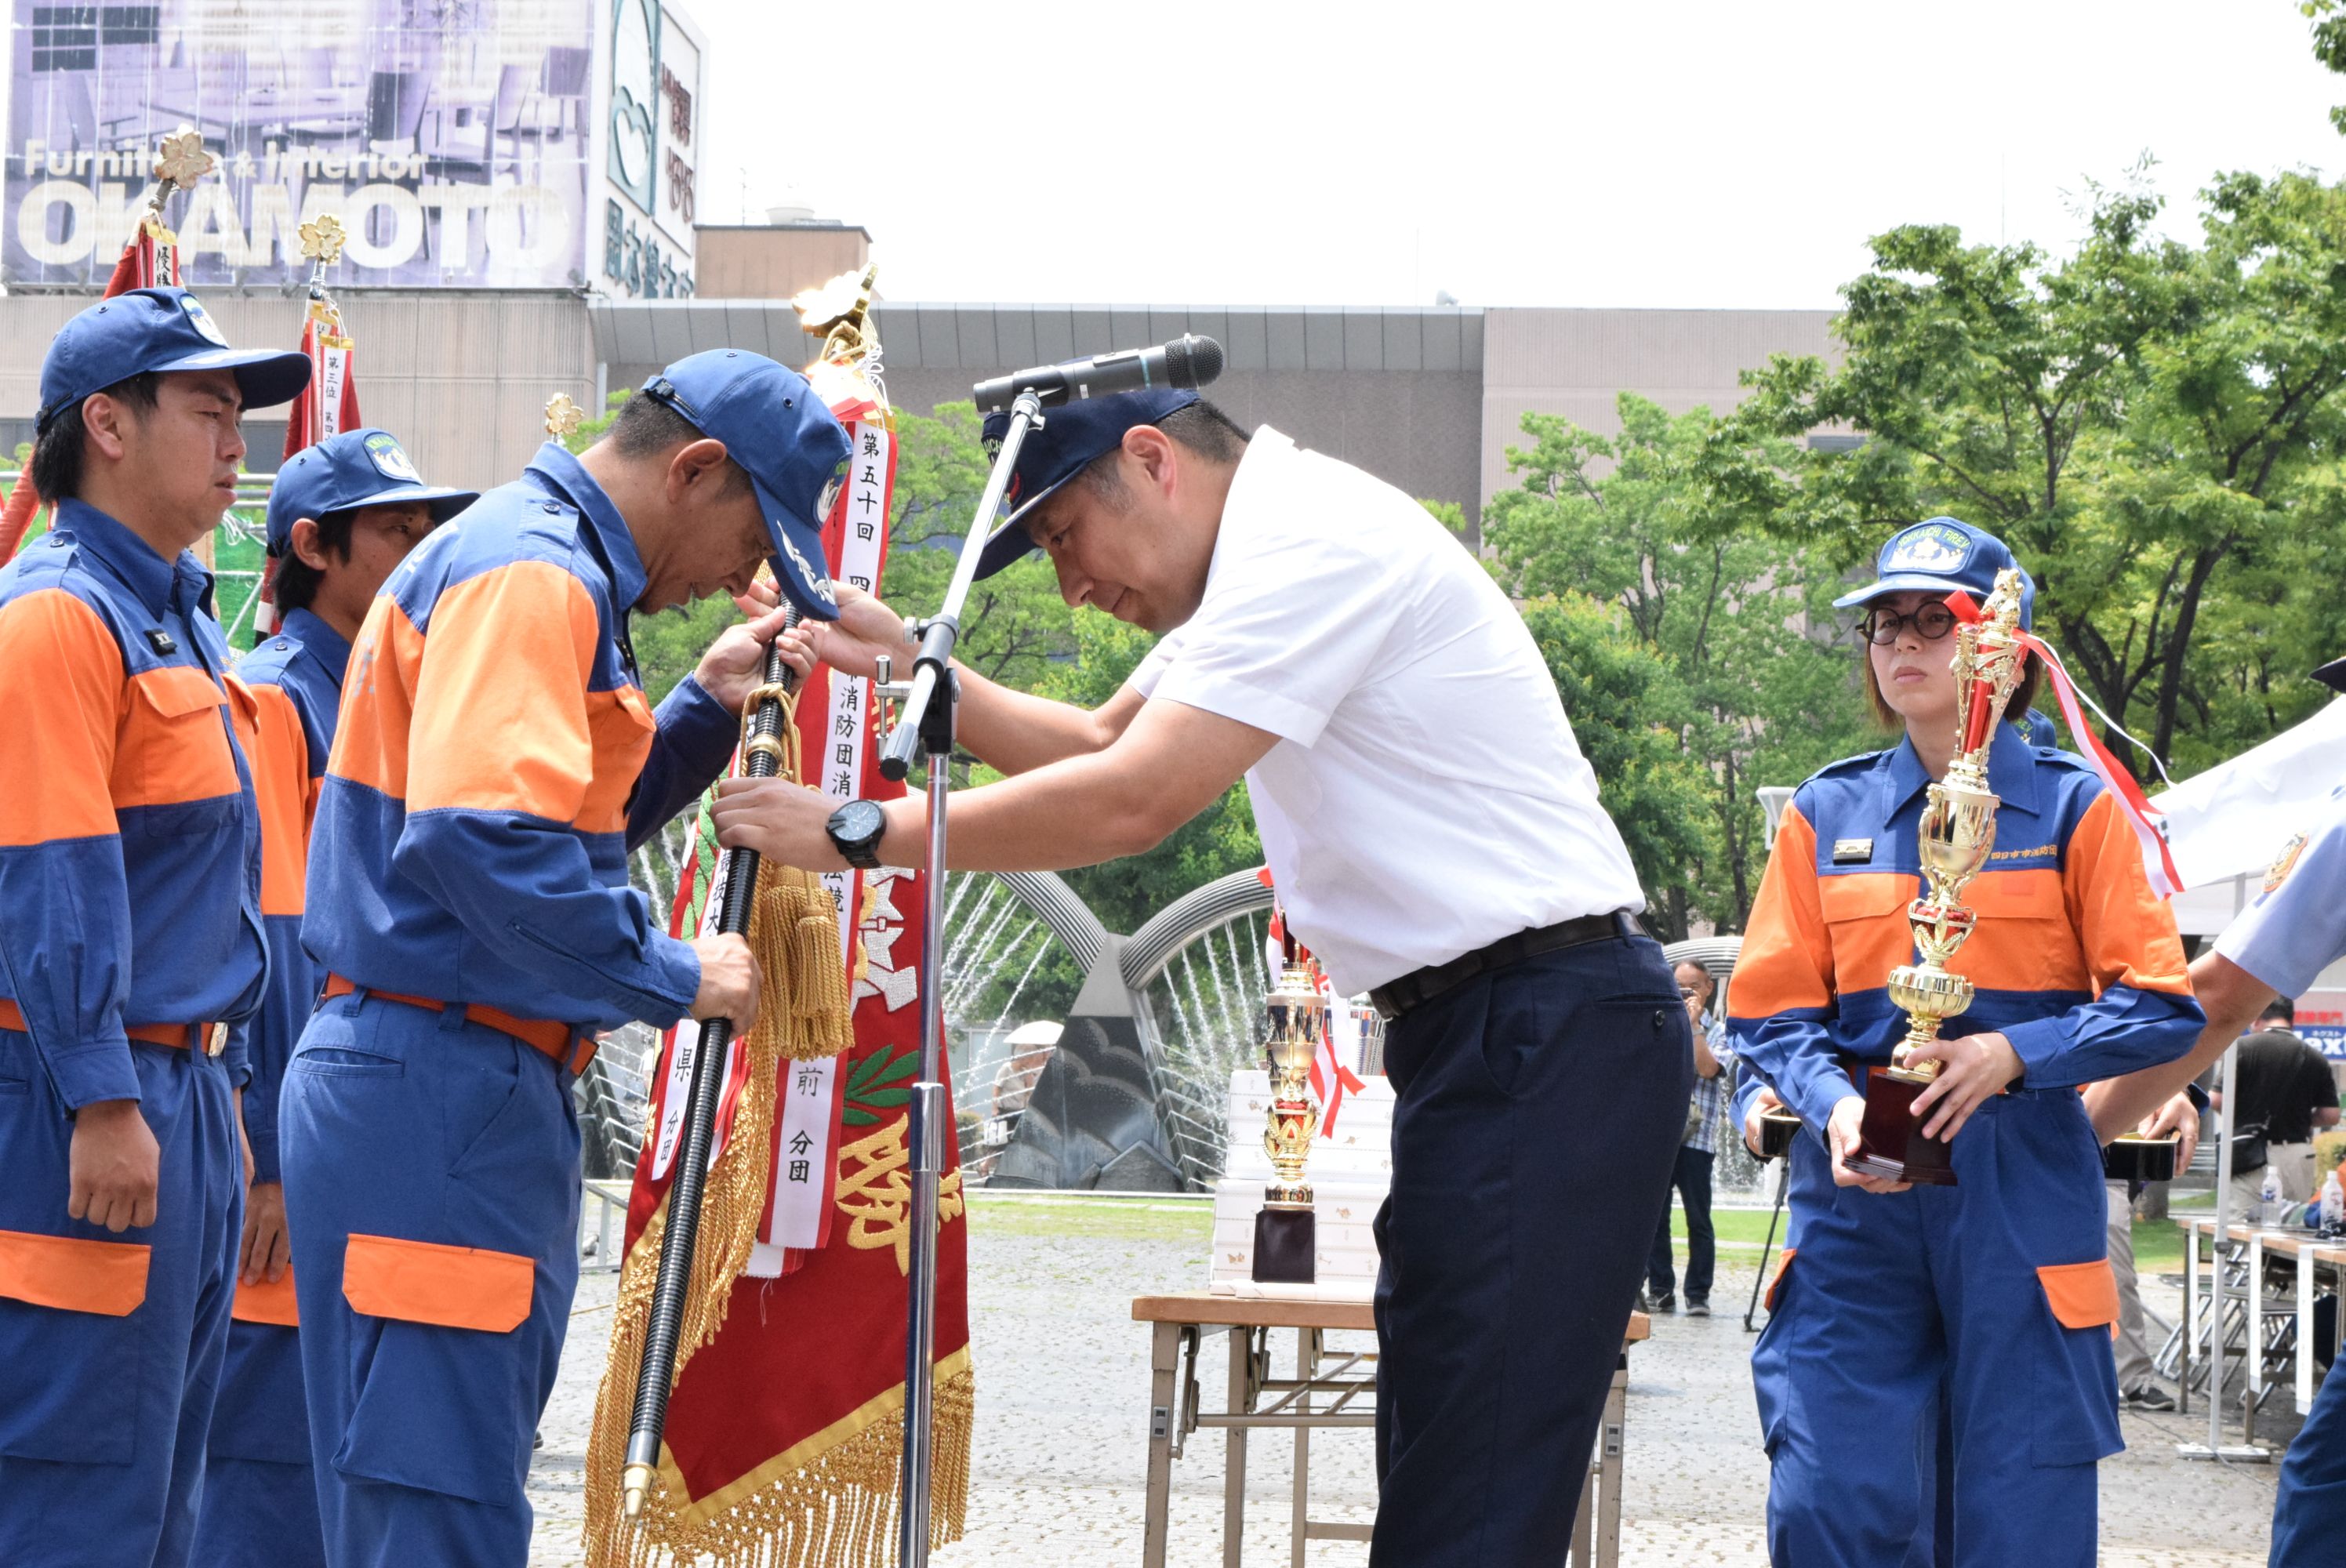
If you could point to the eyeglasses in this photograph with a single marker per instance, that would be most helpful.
(1930, 622)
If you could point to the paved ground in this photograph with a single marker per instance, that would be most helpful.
(1063, 1384)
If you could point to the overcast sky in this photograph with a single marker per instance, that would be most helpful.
(1663, 153)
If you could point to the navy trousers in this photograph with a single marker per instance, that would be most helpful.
(454, 1147)
(106, 1394)
(1536, 1116)
(2309, 1514)
(1692, 1180)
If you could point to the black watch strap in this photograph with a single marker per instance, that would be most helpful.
(856, 829)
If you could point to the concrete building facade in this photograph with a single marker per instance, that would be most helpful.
(1428, 398)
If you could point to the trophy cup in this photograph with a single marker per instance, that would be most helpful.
(1958, 829)
(1284, 1234)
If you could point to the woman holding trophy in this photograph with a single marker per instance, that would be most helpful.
(1952, 937)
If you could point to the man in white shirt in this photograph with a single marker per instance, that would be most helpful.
(1436, 834)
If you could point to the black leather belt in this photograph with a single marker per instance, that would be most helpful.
(1422, 985)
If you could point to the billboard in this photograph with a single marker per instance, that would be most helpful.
(450, 137)
(646, 199)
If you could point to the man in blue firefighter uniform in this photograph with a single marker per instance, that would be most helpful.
(341, 515)
(130, 933)
(468, 900)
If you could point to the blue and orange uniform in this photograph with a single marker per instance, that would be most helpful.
(1973, 1319)
(129, 932)
(259, 1500)
(468, 899)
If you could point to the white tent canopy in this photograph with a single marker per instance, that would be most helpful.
(2226, 825)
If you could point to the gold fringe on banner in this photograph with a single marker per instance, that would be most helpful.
(802, 1014)
(830, 1502)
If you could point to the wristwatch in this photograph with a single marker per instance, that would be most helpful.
(855, 830)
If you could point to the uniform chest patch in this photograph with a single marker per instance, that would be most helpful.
(1852, 851)
(165, 644)
(2284, 863)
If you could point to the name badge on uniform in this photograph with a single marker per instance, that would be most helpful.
(1852, 851)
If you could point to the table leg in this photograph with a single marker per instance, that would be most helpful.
(1235, 1454)
(1611, 1442)
(2190, 1314)
(1306, 1355)
(1163, 1351)
(2304, 1330)
(2256, 1367)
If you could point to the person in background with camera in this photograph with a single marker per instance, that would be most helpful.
(2285, 1091)
(1706, 1125)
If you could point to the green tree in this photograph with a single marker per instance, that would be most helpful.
(2151, 425)
(1626, 707)
(1216, 842)
(1761, 687)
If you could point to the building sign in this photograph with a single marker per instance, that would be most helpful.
(450, 137)
(648, 193)
(2321, 1022)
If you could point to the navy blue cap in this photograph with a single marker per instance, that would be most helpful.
(363, 467)
(1073, 435)
(1943, 556)
(160, 330)
(795, 452)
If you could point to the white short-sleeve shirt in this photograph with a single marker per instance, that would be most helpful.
(1426, 796)
(2297, 926)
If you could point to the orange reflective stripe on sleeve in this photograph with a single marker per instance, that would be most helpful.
(266, 1303)
(107, 1278)
(1782, 1267)
(278, 755)
(500, 721)
(2082, 1295)
(425, 1282)
(1787, 956)
(2127, 931)
(61, 687)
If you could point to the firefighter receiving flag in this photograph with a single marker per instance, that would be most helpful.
(784, 1429)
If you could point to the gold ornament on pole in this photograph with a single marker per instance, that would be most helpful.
(180, 162)
(1285, 1233)
(1958, 832)
(562, 416)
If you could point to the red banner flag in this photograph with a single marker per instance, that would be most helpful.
(329, 406)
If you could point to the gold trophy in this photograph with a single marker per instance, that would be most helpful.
(1958, 831)
(1285, 1236)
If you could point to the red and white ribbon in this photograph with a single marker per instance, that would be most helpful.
(2158, 862)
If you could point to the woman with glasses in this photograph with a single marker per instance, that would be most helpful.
(1936, 1382)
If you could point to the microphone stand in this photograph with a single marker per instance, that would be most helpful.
(926, 723)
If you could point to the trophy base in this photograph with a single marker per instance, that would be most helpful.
(1284, 1242)
(1891, 1146)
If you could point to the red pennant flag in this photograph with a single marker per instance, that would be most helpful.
(328, 407)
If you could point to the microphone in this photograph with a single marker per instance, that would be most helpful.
(1183, 363)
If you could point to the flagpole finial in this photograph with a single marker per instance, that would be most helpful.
(182, 160)
(321, 239)
(562, 416)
